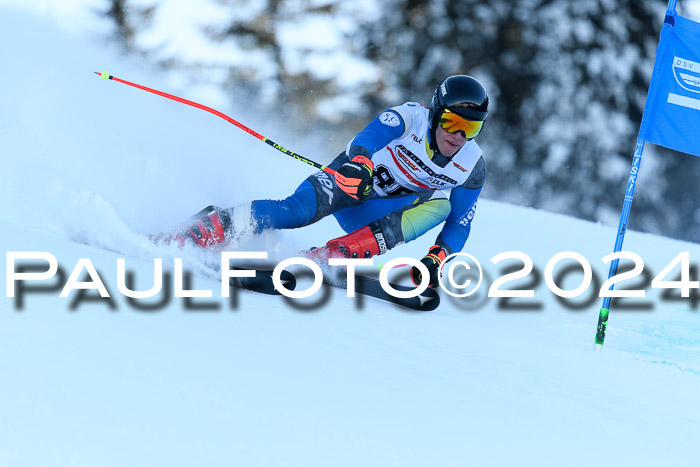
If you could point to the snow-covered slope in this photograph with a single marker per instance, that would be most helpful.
(88, 167)
(341, 381)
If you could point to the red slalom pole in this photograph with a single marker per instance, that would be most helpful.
(104, 75)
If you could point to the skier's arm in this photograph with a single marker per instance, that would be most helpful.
(390, 125)
(463, 200)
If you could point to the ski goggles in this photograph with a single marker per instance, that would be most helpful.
(452, 123)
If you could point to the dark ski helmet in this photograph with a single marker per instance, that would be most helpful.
(462, 95)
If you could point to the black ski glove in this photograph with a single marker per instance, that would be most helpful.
(432, 261)
(355, 177)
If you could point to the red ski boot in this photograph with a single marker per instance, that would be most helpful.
(362, 243)
(209, 227)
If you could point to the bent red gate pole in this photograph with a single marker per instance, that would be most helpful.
(104, 75)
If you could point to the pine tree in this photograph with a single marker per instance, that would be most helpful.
(567, 80)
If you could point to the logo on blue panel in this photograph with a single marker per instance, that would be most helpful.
(687, 74)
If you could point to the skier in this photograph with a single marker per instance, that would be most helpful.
(389, 184)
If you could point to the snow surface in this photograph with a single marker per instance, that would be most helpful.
(90, 166)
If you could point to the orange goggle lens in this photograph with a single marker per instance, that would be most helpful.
(451, 123)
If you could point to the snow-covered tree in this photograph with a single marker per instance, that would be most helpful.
(567, 80)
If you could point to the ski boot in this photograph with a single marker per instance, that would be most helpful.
(362, 243)
(210, 226)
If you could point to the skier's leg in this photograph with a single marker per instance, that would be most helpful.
(317, 197)
(412, 221)
(418, 214)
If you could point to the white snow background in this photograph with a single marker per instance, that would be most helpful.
(90, 166)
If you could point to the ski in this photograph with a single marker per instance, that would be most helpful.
(370, 287)
(428, 300)
(262, 281)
